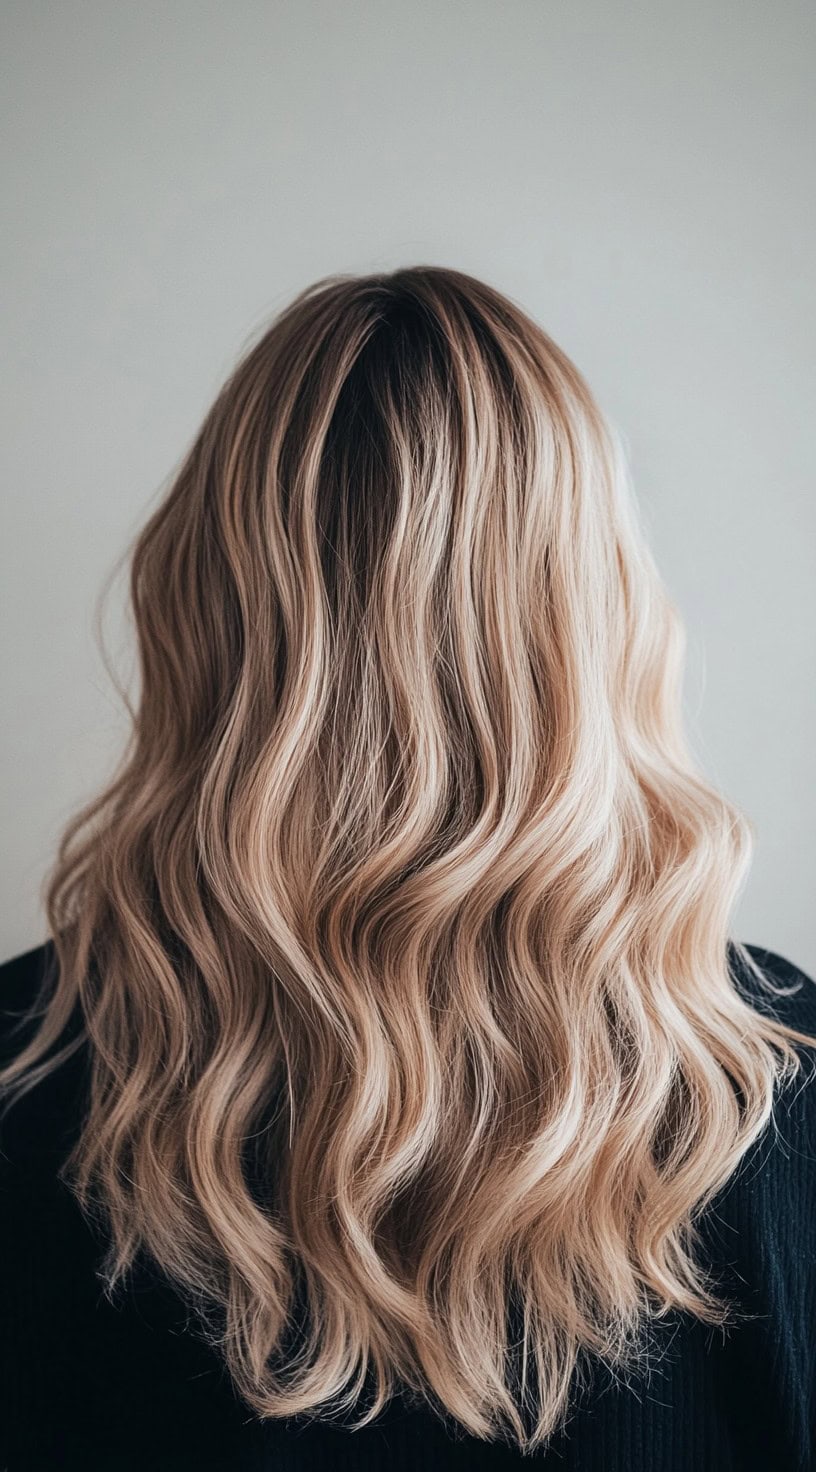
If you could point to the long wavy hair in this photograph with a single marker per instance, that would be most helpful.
(401, 937)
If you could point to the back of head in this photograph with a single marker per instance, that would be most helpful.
(401, 936)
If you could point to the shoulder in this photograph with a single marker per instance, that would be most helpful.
(23, 970)
(775, 985)
(774, 1189)
(25, 981)
(42, 1117)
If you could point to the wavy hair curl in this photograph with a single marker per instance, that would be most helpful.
(400, 938)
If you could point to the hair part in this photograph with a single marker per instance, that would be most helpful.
(400, 938)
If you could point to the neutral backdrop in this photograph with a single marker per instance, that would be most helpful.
(638, 175)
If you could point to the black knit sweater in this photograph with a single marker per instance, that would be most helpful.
(87, 1384)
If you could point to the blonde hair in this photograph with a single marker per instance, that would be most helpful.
(401, 937)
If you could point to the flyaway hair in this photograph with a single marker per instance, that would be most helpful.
(401, 938)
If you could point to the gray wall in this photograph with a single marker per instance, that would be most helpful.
(640, 176)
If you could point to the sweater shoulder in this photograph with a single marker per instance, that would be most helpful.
(775, 985)
(26, 981)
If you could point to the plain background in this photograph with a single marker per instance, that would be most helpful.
(638, 176)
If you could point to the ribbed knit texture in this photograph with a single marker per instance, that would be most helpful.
(88, 1384)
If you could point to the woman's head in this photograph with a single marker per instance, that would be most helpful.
(400, 539)
(401, 937)
(396, 593)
